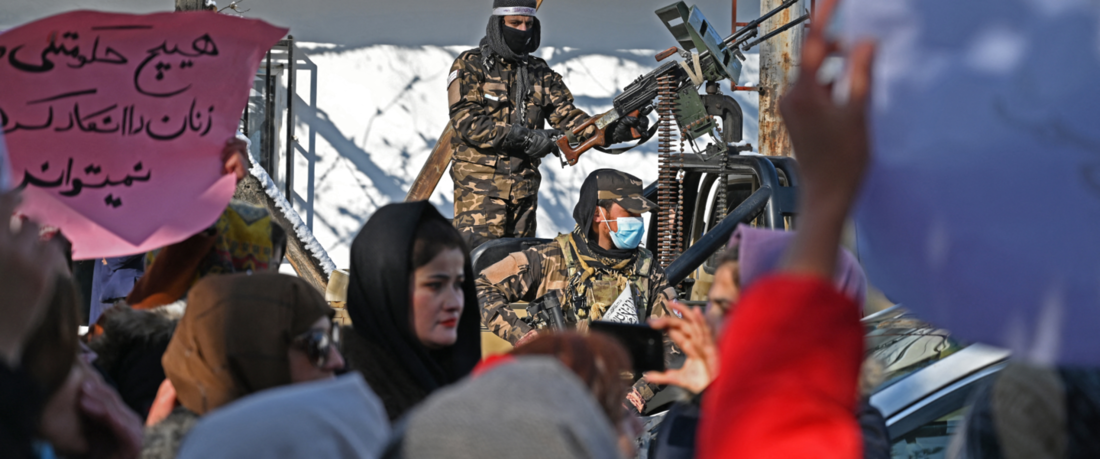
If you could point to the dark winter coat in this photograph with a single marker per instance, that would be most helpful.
(676, 436)
(21, 404)
(876, 438)
(389, 379)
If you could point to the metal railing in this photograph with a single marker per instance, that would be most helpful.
(272, 107)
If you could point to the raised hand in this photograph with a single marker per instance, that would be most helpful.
(694, 337)
(831, 143)
(235, 158)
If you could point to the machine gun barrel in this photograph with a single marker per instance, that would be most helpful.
(734, 42)
(781, 29)
(750, 27)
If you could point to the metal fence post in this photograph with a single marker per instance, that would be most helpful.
(290, 91)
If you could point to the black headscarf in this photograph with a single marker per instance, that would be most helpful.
(494, 43)
(379, 299)
(584, 214)
(585, 209)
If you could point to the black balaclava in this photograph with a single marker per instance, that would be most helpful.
(508, 44)
(519, 41)
(380, 304)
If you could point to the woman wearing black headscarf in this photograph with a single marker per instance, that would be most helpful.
(413, 305)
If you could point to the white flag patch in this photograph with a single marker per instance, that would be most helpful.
(622, 310)
(451, 78)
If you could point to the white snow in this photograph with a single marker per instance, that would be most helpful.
(379, 110)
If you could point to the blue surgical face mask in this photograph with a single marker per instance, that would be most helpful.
(629, 234)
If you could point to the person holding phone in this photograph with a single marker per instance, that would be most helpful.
(596, 272)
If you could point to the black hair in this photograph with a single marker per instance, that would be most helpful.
(606, 204)
(729, 255)
(434, 236)
(732, 256)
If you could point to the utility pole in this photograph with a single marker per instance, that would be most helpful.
(194, 5)
(779, 59)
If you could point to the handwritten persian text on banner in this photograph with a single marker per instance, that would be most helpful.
(115, 122)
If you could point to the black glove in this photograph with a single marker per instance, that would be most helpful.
(622, 133)
(533, 143)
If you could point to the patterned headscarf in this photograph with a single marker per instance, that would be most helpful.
(243, 239)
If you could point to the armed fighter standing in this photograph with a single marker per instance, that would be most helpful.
(500, 96)
(596, 272)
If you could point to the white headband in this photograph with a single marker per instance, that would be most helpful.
(514, 11)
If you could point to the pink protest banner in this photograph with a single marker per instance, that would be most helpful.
(115, 123)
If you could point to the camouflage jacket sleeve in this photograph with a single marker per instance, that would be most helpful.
(660, 293)
(564, 114)
(471, 116)
(503, 283)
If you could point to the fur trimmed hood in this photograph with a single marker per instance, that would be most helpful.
(124, 328)
(163, 440)
(130, 349)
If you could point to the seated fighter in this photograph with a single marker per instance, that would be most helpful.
(595, 272)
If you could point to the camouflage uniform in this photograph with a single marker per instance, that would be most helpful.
(496, 194)
(544, 269)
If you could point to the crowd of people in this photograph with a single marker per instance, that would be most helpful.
(203, 350)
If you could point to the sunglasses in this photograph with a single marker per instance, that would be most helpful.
(317, 344)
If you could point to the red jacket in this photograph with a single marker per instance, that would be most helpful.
(788, 384)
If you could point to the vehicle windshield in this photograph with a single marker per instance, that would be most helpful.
(905, 344)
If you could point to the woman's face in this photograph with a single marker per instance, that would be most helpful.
(438, 299)
(722, 296)
(302, 369)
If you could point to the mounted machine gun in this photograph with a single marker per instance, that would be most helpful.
(706, 58)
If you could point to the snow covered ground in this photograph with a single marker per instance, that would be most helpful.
(379, 110)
